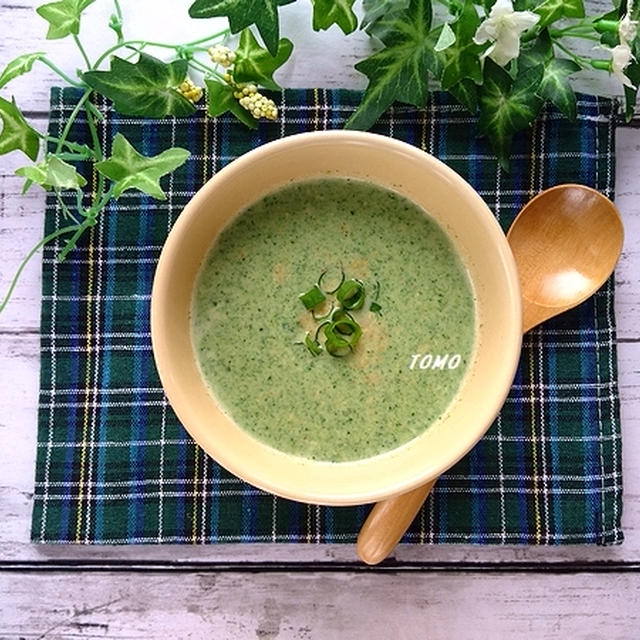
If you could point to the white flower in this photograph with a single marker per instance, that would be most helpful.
(627, 29)
(503, 28)
(621, 56)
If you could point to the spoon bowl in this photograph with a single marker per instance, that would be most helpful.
(566, 242)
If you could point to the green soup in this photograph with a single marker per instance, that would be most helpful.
(249, 324)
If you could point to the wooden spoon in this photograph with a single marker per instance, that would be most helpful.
(566, 242)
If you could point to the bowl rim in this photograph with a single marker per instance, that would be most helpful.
(246, 472)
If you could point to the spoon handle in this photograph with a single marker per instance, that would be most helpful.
(386, 523)
(389, 519)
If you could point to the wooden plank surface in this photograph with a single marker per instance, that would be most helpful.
(286, 591)
(301, 606)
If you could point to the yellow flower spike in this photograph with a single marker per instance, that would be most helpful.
(221, 55)
(257, 105)
(189, 90)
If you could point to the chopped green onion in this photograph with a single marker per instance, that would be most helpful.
(330, 301)
(335, 344)
(313, 297)
(326, 323)
(351, 294)
(319, 314)
(374, 307)
(313, 345)
(331, 279)
(342, 333)
(338, 348)
(344, 323)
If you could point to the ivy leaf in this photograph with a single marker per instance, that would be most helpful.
(556, 88)
(466, 93)
(632, 72)
(255, 64)
(555, 84)
(52, 173)
(21, 65)
(16, 133)
(329, 12)
(538, 51)
(63, 17)
(374, 10)
(400, 71)
(446, 39)
(244, 13)
(144, 88)
(462, 58)
(508, 105)
(220, 99)
(552, 10)
(131, 170)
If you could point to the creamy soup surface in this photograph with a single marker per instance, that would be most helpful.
(249, 324)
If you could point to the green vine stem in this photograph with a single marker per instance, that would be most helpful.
(137, 44)
(66, 212)
(83, 53)
(72, 118)
(32, 252)
(97, 149)
(61, 73)
(579, 60)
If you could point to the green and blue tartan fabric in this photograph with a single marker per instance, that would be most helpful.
(115, 466)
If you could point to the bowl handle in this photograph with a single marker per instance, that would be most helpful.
(387, 522)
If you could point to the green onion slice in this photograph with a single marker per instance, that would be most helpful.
(335, 344)
(345, 324)
(322, 314)
(338, 331)
(321, 326)
(313, 297)
(351, 294)
(375, 307)
(337, 348)
(341, 334)
(313, 345)
(331, 279)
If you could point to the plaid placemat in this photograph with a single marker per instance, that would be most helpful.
(115, 466)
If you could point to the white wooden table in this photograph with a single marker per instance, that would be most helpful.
(284, 591)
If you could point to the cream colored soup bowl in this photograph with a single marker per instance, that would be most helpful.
(474, 232)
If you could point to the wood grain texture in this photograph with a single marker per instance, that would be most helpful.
(580, 234)
(294, 606)
(285, 591)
